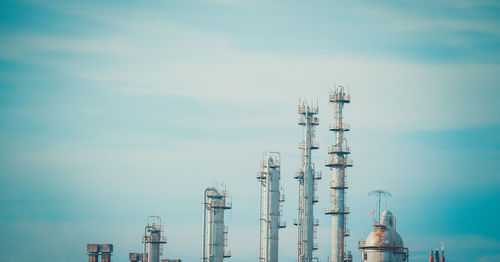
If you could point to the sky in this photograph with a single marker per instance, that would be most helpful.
(112, 111)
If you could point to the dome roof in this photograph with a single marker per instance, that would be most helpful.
(383, 237)
(385, 234)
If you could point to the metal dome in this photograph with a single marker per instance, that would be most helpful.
(383, 237)
(383, 244)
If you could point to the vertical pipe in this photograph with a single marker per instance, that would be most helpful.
(204, 226)
(105, 257)
(145, 254)
(299, 226)
(93, 257)
(204, 233)
(268, 207)
(261, 240)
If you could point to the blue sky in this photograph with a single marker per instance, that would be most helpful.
(110, 112)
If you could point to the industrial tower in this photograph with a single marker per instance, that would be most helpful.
(153, 239)
(338, 163)
(215, 202)
(307, 178)
(270, 207)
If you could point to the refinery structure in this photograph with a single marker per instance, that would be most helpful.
(307, 178)
(383, 243)
(270, 207)
(338, 163)
(214, 234)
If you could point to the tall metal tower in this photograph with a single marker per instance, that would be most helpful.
(215, 202)
(307, 178)
(270, 207)
(153, 239)
(338, 163)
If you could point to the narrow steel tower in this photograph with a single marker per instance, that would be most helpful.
(215, 202)
(153, 239)
(307, 178)
(338, 163)
(270, 207)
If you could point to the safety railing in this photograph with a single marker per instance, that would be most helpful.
(339, 127)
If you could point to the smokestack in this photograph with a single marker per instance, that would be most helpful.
(93, 251)
(442, 254)
(437, 255)
(106, 250)
(431, 256)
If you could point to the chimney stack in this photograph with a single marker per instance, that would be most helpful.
(93, 251)
(106, 250)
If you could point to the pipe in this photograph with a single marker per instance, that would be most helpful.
(144, 254)
(203, 244)
(267, 209)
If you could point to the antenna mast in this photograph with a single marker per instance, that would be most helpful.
(379, 194)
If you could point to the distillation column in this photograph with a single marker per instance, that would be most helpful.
(153, 239)
(214, 235)
(338, 163)
(270, 207)
(307, 185)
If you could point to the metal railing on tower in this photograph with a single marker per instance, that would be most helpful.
(307, 178)
(338, 163)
